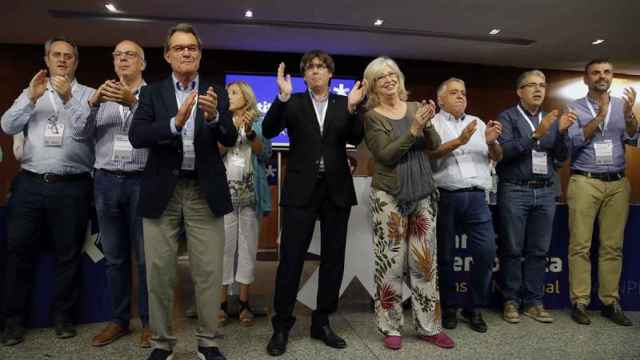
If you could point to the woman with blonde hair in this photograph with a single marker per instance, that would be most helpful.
(250, 196)
(403, 204)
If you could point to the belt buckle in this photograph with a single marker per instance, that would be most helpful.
(47, 177)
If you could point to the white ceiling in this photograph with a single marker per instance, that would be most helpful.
(447, 30)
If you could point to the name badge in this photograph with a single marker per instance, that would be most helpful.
(604, 152)
(539, 162)
(122, 148)
(188, 154)
(467, 167)
(53, 134)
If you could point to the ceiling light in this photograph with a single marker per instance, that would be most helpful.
(494, 32)
(111, 7)
(598, 42)
(378, 22)
(248, 14)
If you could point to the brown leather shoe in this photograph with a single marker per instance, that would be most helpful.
(109, 334)
(145, 338)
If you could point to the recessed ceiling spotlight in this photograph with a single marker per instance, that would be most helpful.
(111, 7)
(248, 14)
(494, 32)
(378, 22)
(598, 42)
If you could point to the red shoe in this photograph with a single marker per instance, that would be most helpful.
(393, 342)
(440, 339)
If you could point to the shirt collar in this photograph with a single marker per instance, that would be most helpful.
(316, 99)
(527, 111)
(192, 86)
(450, 117)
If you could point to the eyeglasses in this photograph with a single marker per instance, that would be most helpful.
(181, 48)
(390, 75)
(127, 54)
(534, 85)
(318, 66)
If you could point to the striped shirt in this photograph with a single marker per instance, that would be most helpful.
(75, 155)
(103, 124)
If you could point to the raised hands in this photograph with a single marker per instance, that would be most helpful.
(629, 98)
(115, 91)
(357, 94)
(208, 103)
(37, 86)
(468, 132)
(493, 131)
(424, 114)
(545, 125)
(285, 88)
(62, 85)
(567, 119)
(185, 109)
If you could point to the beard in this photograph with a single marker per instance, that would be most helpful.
(602, 86)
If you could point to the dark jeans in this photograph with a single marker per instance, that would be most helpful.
(526, 224)
(468, 212)
(297, 231)
(63, 210)
(120, 233)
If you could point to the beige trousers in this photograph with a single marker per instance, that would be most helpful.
(205, 243)
(608, 201)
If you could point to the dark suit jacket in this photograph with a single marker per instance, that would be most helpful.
(151, 129)
(307, 144)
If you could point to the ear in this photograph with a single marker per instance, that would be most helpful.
(144, 65)
(166, 57)
(519, 92)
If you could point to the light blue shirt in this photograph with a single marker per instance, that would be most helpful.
(75, 155)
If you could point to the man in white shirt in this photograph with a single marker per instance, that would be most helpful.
(462, 172)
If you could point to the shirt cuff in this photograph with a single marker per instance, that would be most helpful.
(214, 121)
(284, 98)
(172, 125)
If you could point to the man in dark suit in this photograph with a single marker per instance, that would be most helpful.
(318, 183)
(181, 120)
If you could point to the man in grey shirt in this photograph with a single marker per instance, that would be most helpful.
(118, 178)
(52, 190)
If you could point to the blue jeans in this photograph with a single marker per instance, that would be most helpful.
(120, 232)
(526, 224)
(466, 211)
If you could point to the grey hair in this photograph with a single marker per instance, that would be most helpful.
(443, 86)
(185, 28)
(139, 47)
(48, 43)
(523, 77)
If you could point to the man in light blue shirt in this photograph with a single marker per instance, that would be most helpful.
(52, 190)
(599, 189)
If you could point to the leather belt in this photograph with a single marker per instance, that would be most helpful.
(469, 189)
(608, 176)
(532, 184)
(55, 178)
(123, 173)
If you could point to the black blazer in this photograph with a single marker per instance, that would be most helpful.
(151, 129)
(307, 144)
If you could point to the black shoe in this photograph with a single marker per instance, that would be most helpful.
(210, 353)
(65, 329)
(450, 318)
(278, 343)
(13, 334)
(474, 317)
(160, 354)
(579, 314)
(326, 334)
(615, 313)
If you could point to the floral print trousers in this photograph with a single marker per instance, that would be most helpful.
(405, 245)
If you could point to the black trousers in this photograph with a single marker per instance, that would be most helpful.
(297, 230)
(60, 211)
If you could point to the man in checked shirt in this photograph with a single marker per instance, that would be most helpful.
(118, 177)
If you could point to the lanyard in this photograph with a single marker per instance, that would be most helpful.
(533, 128)
(125, 114)
(606, 119)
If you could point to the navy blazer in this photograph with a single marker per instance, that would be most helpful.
(150, 128)
(307, 144)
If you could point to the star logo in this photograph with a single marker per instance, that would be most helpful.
(263, 106)
(271, 170)
(341, 90)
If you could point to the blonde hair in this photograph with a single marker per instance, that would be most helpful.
(374, 70)
(250, 103)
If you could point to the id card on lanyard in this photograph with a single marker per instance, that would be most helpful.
(602, 148)
(188, 149)
(53, 132)
(465, 161)
(538, 158)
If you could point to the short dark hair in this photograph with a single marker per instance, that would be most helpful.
(48, 43)
(308, 57)
(185, 28)
(596, 61)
